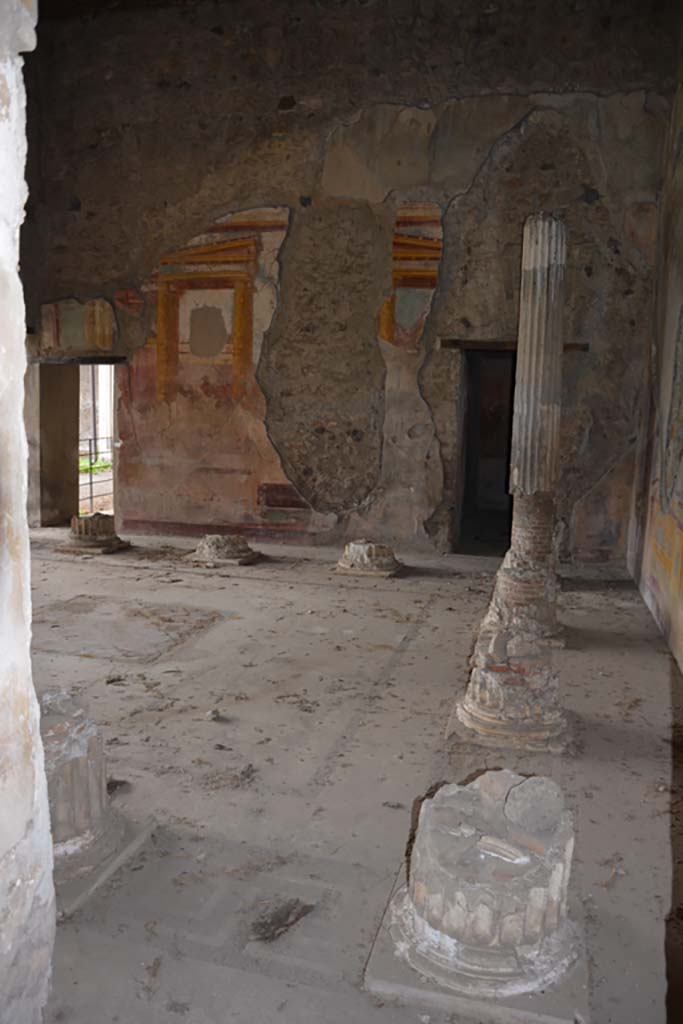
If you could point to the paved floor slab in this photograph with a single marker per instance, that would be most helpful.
(281, 739)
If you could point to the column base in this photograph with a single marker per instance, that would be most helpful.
(550, 735)
(490, 973)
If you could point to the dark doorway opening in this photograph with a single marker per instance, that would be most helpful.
(487, 505)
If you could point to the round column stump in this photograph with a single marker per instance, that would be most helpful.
(363, 558)
(215, 548)
(485, 909)
(96, 532)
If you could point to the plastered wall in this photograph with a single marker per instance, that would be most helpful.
(656, 548)
(156, 122)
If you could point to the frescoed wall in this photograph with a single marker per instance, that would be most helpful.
(341, 125)
(194, 449)
(657, 529)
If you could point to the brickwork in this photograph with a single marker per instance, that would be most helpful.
(512, 697)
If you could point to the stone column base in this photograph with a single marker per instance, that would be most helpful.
(485, 909)
(215, 549)
(477, 972)
(82, 871)
(94, 533)
(363, 558)
(472, 724)
(91, 839)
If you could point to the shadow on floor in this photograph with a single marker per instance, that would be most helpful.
(583, 639)
(584, 584)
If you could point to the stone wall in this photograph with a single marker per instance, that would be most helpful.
(656, 540)
(156, 119)
(26, 891)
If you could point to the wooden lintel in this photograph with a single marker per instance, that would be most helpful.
(79, 360)
(502, 345)
(404, 220)
(249, 225)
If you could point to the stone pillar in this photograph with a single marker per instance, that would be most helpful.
(59, 401)
(32, 427)
(51, 421)
(27, 912)
(512, 697)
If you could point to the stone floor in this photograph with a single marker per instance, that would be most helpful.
(332, 694)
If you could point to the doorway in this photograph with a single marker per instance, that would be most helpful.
(487, 505)
(96, 438)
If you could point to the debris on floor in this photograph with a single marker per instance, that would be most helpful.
(276, 917)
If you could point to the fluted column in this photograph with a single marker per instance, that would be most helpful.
(512, 696)
(534, 460)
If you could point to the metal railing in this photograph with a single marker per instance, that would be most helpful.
(95, 474)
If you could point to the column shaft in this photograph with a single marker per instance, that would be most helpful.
(27, 911)
(534, 459)
(512, 696)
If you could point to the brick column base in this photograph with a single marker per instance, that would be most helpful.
(512, 695)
